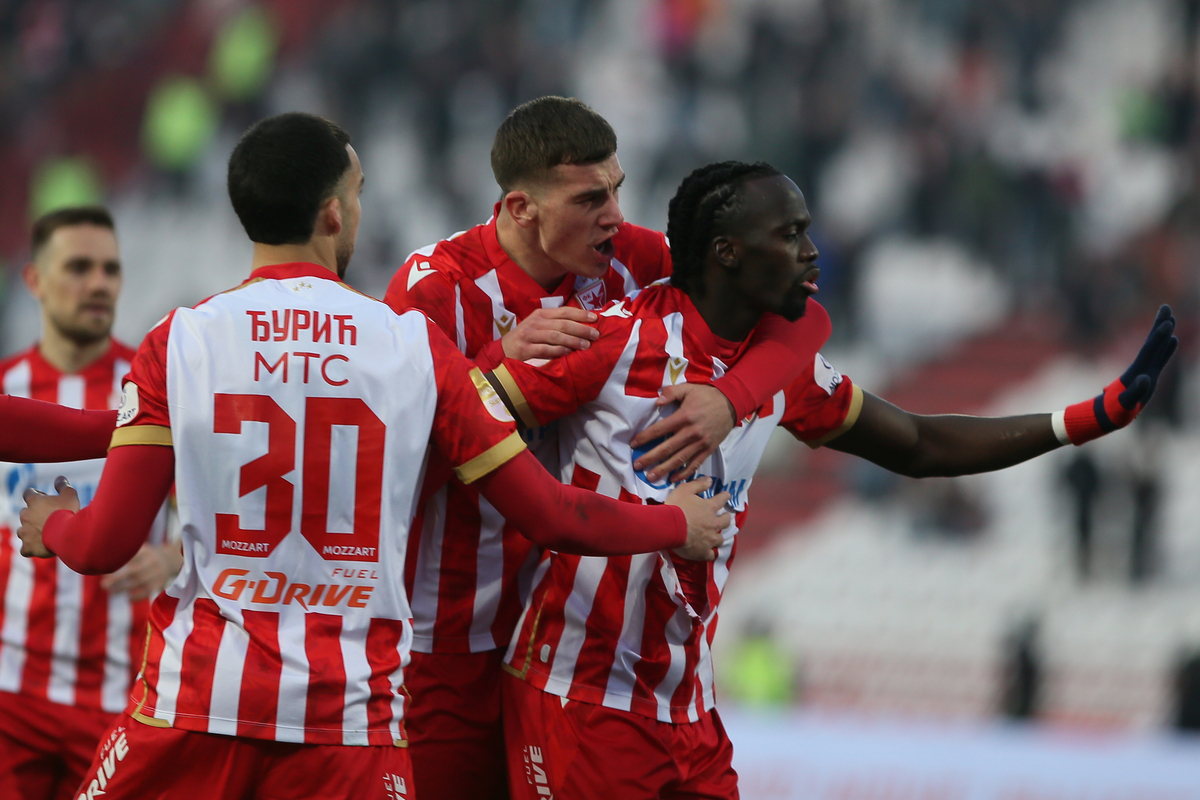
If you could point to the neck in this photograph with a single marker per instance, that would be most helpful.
(315, 251)
(721, 311)
(522, 246)
(67, 355)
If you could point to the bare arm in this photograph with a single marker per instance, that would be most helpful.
(945, 445)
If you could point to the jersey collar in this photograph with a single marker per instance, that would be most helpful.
(711, 344)
(295, 269)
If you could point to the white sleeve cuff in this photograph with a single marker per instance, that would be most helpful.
(1058, 421)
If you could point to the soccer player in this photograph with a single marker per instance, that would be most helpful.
(526, 285)
(70, 644)
(295, 416)
(610, 684)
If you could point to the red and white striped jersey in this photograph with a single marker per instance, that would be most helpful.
(634, 632)
(470, 573)
(301, 413)
(62, 637)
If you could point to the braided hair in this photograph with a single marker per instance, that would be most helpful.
(704, 203)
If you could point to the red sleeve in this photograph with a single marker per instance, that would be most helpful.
(544, 392)
(490, 355)
(472, 429)
(107, 533)
(418, 284)
(143, 417)
(577, 521)
(39, 433)
(777, 353)
(821, 404)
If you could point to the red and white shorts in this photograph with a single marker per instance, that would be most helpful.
(45, 747)
(570, 750)
(137, 761)
(455, 734)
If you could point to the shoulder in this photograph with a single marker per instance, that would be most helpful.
(119, 349)
(15, 359)
(634, 244)
(460, 257)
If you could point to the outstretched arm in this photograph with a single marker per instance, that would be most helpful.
(947, 445)
(39, 433)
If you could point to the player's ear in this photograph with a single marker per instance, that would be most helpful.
(521, 206)
(727, 252)
(32, 278)
(329, 218)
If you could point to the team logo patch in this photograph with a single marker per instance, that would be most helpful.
(591, 296)
(824, 375)
(675, 368)
(129, 404)
(491, 400)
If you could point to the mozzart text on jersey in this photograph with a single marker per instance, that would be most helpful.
(302, 325)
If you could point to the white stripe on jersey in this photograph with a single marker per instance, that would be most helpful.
(622, 270)
(489, 575)
(68, 597)
(621, 679)
(354, 699)
(425, 592)
(460, 327)
(489, 283)
(231, 657)
(71, 389)
(566, 654)
(293, 683)
(170, 665)
(17, 380)
(16, 618)
(114, 691)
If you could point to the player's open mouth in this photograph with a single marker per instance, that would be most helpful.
(810, 280)
(606, 249)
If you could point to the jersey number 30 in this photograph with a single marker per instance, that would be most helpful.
(320, 415)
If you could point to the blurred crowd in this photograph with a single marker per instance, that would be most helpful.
(1051, 144)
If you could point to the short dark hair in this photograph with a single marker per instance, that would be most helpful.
(45, 225)
(703, 206)
(543, 133)
(281, 171)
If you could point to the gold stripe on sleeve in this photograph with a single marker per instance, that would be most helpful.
(856, 401)
(141, 434)
(494, 457)
(516, 396)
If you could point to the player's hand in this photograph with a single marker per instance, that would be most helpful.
(38, 508)
(1123, 399)
(705, 417)
(550, 333)
(706, 518)
(147, 573)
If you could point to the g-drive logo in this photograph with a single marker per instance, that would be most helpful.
(395, 786)
(112, 751)
(535, 773)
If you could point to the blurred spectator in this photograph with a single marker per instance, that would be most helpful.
(1083, 479)
(1022, 673)
(759, 674)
